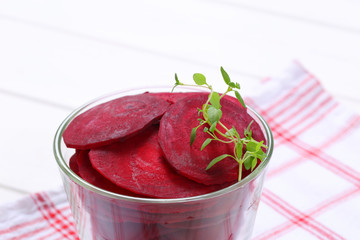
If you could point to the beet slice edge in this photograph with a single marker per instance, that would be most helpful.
(81, 165)
(114, 120)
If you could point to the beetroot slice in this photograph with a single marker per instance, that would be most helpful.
(172, 97)
(137, 164)
(190, 161)
(73, 164)
(113, 120)
(89, 174)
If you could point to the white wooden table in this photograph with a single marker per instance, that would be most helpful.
(56, 55)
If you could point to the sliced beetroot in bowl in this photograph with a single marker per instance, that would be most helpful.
(172, 97)
(190, 161)
(81, 165)
(114, 120)
(137, 164)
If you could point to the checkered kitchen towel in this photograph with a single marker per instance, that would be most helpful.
(40, 216)
(312, 190)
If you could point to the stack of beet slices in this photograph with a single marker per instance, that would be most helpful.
(139, 145)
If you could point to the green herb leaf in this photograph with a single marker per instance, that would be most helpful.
(235, 133)
(261, 155)
(193, 135)
(177, 83)
(253, 164)
(199, 79)
(206, 142)
(225, 76)
(206, 129)
(239, 149)
(248, 160)
(216, 160)
(230, 132)
(241, 100)
(248, 132)
(214, 114)
(215, 100)
(232, 85)
(213, 126)
(251, 146)
(258, 146)
(237, 85)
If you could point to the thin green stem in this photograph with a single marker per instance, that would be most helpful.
(226, 129)
(208, 100)
(193, 85)
(240, 171)
(227, 91)
(218, 139)
(220, 133)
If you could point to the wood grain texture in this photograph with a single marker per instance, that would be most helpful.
(54, 56)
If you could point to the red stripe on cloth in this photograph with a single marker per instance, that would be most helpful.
(286, 227)
(34, 233)
(285, 166)
(18, 227)
(308, 126)
(352, 124)
(340, 197)
(69, 226)
(275, 124)
(311, 114)
(289, 94)
(323, 159)
(318, 155)
(297, 217)
(288, 105)
(53, 233)
(31, 234)
(265, 80)
(304, 107)
(47, 214)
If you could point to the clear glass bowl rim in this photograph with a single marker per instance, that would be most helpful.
(107, 97)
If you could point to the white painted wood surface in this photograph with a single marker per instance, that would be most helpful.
(56, 55)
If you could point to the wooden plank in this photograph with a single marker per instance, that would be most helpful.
(117, 46)
(10, 195)
(70, 70)
(27, 131)
(340, 14)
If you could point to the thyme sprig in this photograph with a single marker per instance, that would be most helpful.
(210, 117)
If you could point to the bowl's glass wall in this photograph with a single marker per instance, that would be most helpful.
(99, 214)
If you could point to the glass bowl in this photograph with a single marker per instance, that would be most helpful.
(102, 215)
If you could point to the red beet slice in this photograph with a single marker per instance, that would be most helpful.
(137, 164)
(88, 173)
(73, 164)
(113, 120)
(172, 97)
(190, 161)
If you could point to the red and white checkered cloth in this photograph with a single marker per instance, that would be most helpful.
(40, 216)
(312, 189)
